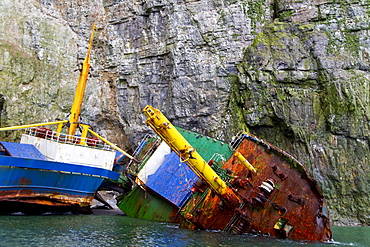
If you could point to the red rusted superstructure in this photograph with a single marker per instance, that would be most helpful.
(280, 199)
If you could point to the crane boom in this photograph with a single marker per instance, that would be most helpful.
(163, 127)
(80, 89)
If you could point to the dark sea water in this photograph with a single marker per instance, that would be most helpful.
(118, 230)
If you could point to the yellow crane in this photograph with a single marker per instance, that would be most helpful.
(163, 127)
(80, 89)
(73, 121)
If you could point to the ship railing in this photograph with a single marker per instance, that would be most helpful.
(51, 135)
(218, 157)
(237, 140)
(143, 152)
(144, 141)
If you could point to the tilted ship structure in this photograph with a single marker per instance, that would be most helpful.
(56, 170)
(247, 186)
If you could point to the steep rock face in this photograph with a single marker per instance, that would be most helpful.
(295, 73)
(291, 90)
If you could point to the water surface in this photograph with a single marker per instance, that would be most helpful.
(118, 230)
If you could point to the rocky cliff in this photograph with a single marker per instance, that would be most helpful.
(295, 73)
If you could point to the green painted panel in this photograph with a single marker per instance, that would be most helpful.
(141, 204)
(205, 145)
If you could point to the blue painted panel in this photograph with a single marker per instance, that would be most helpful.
(57, 166)
(113, 175)
(22, 150)
(173, 180)
(13, 178)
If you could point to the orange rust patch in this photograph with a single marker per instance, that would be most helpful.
(24, 181)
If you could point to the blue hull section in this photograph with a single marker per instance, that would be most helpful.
(56, 166)
(42, 182)
(46, 181)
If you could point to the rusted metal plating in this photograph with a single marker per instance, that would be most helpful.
(280, 199)
(269, 192)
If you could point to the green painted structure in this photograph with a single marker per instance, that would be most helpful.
(140, 203)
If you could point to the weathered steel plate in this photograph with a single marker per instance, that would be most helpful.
(280, 199)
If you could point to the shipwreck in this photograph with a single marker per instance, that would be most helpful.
(246, 186)
(56, 170)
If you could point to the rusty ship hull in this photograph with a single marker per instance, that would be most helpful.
(265, 190)
(279, 200)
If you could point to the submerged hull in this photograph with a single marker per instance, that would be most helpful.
(279, 199)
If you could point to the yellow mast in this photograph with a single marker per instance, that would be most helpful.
(80, 89)
(76, 108)
(163, 127)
